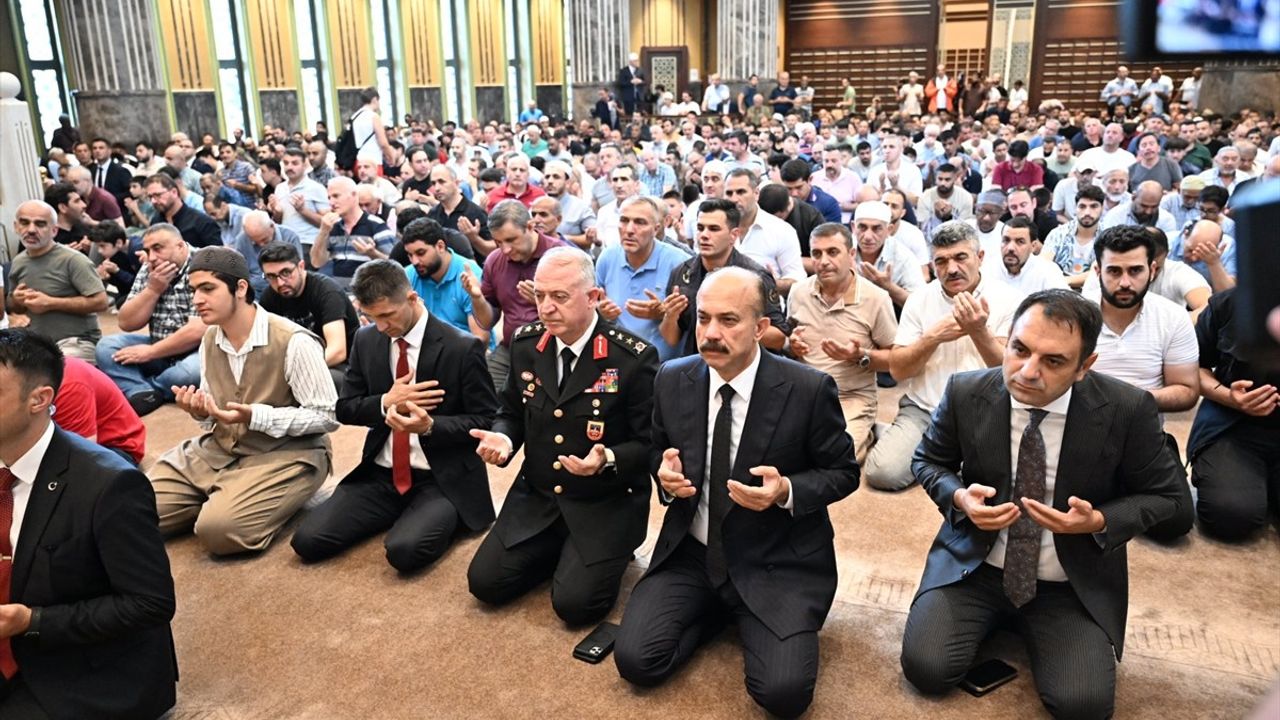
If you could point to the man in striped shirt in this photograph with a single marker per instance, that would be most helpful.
(264, 450)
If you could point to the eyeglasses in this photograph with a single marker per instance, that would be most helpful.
(284, 274)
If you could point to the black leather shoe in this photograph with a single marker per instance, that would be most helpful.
(145, 402)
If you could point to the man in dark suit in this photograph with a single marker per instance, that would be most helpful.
(418, 475)
(1061, 468)
(109, 174)
(85, 590)
(746, 534)
(578, 398)
(630, 84)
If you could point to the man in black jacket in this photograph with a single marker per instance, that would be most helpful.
(1061, 468)
(86, 595)
(578, 398)
(420, 386)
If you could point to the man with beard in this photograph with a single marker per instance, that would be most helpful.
(902, 231)
(198, 229)
(1226, 171)
(1070, 246)
(1146, 340)
(1018, 266)
(1143, 210)
(958, 322)
(577, 219)
(1184, 205)
(1115, 184)
(311, 300)
(454, 211)
(447, 283)
(1171, 278)
(417, 188)
(986, 220)
(942, 202)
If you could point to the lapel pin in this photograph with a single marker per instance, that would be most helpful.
(53, 485)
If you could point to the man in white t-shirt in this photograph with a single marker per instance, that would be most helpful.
(1017, 266)
(986, 220)
(910, 95)
(1146, 340)
(895, 172)
(903, 232)
(956, 323)
(1109, 155)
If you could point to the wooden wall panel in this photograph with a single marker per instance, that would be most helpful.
(488, 49)
(184, 30)
(272, 43)
(546, 20)
(350, 43)
(874, 43)
(420, 26)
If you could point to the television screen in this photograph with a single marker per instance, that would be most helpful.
(1217, 26)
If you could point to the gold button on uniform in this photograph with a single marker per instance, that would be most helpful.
(558, 413)
(559, 439)
(559, 489)
(556, 465)
(595, 403)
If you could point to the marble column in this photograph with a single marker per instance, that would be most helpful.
(598, 33)
(119, 85)
(747, 41)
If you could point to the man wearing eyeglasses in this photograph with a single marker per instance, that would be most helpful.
(310, 299)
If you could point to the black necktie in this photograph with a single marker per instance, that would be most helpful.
(1022, 549)
(718, 501)
(566, 367)
(102, 175)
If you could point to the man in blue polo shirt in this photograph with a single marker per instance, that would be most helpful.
(437, 274)
(795, 176)
(634, 273)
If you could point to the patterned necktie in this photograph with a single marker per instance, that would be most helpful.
(401, 476)
(1022, 551)
(718, 502)
(8, 665)
(566, 367)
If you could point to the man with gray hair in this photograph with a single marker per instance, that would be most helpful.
(957, 322)
(257, 231)
(578, 399)
(1142, 209)
(1225, 172)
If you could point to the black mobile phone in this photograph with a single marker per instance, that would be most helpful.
(597, 646)
(985, 677)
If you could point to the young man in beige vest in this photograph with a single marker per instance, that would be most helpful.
(265, 403)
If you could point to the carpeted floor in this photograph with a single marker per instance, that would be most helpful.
(268, 638)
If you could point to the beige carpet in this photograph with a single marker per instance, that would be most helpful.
(268, 638)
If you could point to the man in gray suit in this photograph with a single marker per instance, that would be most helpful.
(1061, 468)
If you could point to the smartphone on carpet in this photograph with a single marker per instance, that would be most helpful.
(985, 677)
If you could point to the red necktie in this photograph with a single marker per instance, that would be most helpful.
(8, 664)
(401, 476)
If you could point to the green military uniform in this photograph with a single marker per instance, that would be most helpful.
(581, 529)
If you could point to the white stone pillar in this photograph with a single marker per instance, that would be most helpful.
(746, 40)
(20, 180)
(599, 33)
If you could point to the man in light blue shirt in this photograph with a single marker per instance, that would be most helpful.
(634, 273)
(1121, 90)
(656, 177)
(257, 231)
(444, 279)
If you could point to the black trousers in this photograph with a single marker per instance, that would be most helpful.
(580, 593)
(1238, 479)
(1072, 660)
(675, 609)
(17, 702)
(420, 524)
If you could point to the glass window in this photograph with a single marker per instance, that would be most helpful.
(44, 60)
(307, 20)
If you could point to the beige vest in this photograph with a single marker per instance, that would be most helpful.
(262, 381)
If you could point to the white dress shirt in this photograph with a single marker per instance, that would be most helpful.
(417, 456)
(772, 242)
(304, 370)
(577, 347)
(1051, 429)
(25, 470)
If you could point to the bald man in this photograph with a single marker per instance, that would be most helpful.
(99, 205)
(349, 236)
(258, 231)
(1143, 209)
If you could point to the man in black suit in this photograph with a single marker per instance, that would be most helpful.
(630, 84)
(109, 174)
(85, 590)
(746, 534)
(578, 398)
(1061, 468)
(418, 475)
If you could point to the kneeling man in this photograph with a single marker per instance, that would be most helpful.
(265, 403)
(1062, 467)
(421, 386)
(749, 450)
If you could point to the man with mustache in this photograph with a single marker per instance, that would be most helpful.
(1070, 245)
(955, 323)
(1146, 340)
(1018, 266)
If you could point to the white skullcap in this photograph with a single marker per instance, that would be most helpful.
(873, 210)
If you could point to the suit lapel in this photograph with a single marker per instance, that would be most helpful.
(380, 374)
(993, 435)
(544, 365)
(429, 353)
(768, 400)
(45, 493)
(689, 428)
(1088, 421)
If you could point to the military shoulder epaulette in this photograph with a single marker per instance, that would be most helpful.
(622, 338)
(532, 330)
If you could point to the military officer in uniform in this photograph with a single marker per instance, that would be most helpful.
(578, 398)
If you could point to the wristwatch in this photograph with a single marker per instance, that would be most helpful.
(864, 362)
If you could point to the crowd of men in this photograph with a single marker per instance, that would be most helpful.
(708, 299)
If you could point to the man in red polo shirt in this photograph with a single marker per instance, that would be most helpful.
(89, 404)
(1016, 171)
(517, 186)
